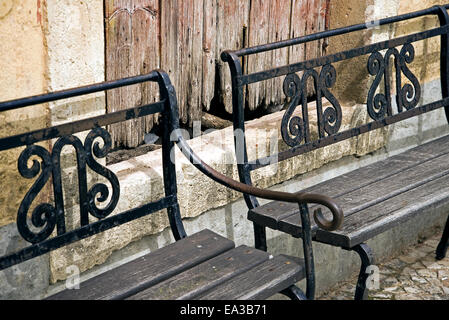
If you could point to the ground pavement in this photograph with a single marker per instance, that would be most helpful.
(414, 275)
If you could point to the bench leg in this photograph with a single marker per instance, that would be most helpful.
(294, 293)
(442, 246)
(367, 257)
(260, 237)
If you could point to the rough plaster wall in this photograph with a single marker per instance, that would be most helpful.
(23, 65)
(351, 85)
(75, 37)
(23, 74)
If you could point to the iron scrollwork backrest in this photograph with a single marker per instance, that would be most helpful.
(45, 227)
(396, 54)
(47, 216)
(380, 105)
(295, 129)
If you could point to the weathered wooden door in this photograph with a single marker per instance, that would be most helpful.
(186, 37)
(132, 48)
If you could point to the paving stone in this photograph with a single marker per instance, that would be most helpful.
(392, 289)
(419, 280)
(412, 256)
(409, 272)
(443, 274)
(390, 281)
(405, 281)
(427, 273)
(415, 275)
(382, 296)
(435, 282)
(397, 264)
(444, 262)
(343, 297)
(445, 282)
(428, 261)
(417, 265)
(435, 266)
(385, 270)
(347, 287)
(430, 289)
(432, 242)
(429, 297)
(411, 290)
(426, 249)
(407, 296)
(407, 259)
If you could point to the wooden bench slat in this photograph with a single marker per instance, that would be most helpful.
(370, 195)
(205, 276)
(371, 221)
(261, 282)
(150, 269)
(355, 189)
(271, 213)
(382, 190)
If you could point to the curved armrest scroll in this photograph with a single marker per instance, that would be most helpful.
(300, 197)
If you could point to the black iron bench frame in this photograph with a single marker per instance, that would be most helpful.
(295, 130)
(49, 231)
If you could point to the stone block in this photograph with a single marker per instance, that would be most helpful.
(28, 280)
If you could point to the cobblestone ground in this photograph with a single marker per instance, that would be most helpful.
(415, 275)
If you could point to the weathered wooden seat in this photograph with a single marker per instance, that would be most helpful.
(199, 265)
(374, 198)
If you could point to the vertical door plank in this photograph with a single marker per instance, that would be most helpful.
(181, 47)
(279, 30)
(298, 29)
(195, 57)
(118, 42)
(314, 13)
(232, 27)
(146, 30)
(184, 23)
(132, 48)
(269, 22)
(259, 26)
(169, 46)
(315, 23)
(209, 52)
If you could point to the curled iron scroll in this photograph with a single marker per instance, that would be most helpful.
(100, 188)
(410, 94)
(45, 217)
(407, 96)
(332, 115)
(295, 129)
(292, 128)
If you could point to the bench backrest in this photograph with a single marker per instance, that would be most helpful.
(45, 227)
(295, 130)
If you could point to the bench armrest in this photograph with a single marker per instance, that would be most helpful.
(299, 197)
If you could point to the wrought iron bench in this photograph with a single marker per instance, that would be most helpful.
(375, 198)
(203, 265)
